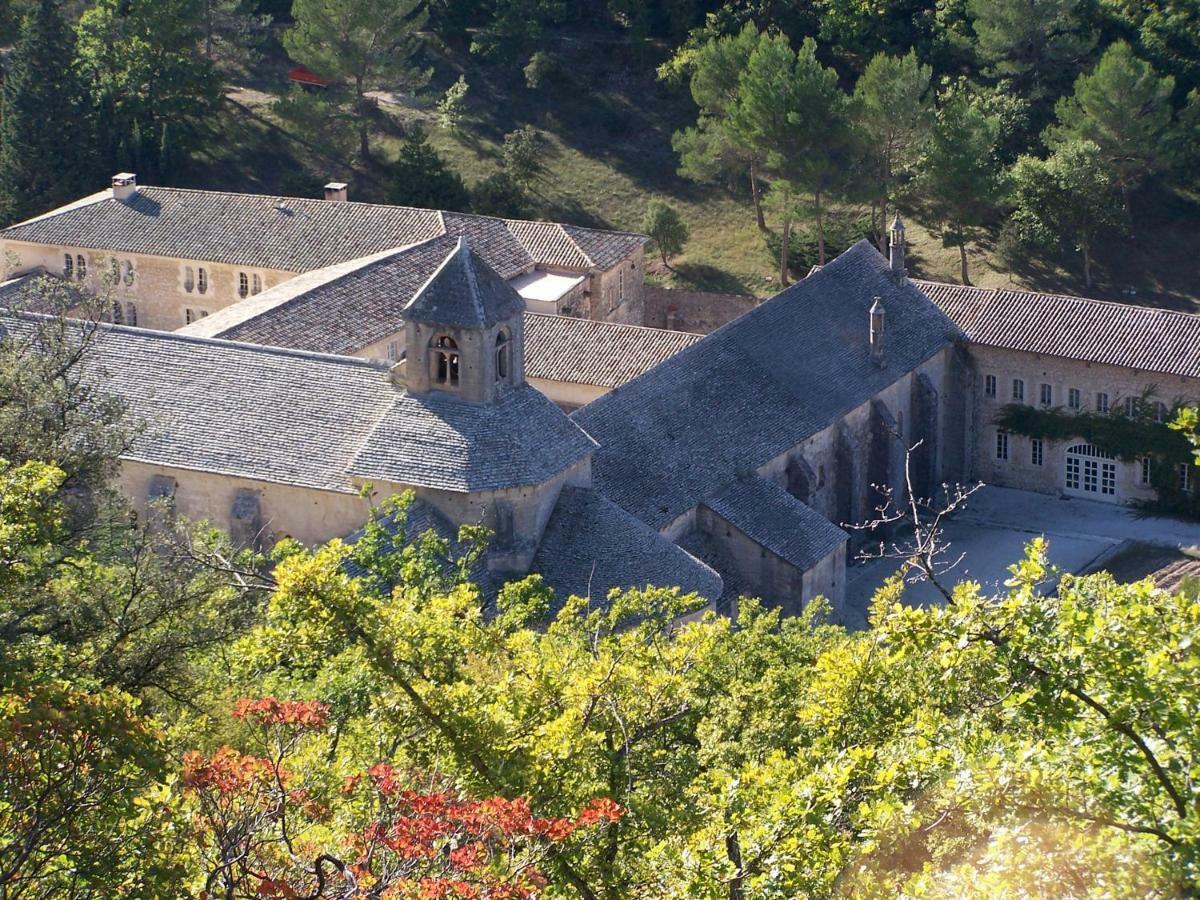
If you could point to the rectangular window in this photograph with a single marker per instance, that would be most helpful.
(202, 280)
(1001, 444)
(989, 385)
(243, 284)
(189, 279)
(621, 285)
(1018, 389)
(1131, 406)
(1102, 402)
(188, 317)
(1145, 466)
(1047, 395)
(68, 265)
(394, 351)
(131, 313)
(1035, 451)
(1073, 400)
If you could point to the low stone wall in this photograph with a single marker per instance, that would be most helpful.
(701, 312)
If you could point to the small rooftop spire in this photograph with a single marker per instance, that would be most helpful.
(896, 246)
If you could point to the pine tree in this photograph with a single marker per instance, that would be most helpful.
(46, 132)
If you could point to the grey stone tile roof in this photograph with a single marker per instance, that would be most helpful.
(316, 420)
(757, 387)
(464, 292)
(1117, 334)
(583, 351)
(295, 234)
(777, 521)
(40, 292)
(441, 441)
(591, 546)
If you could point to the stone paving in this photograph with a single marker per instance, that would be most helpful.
(992, 530)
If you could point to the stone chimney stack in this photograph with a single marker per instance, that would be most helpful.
(124, 186)
(896, 246)
(336, 192)
(878, 315)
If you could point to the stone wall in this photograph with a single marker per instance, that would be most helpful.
(615, 295)
(700, 312)
(159, 290)
(1020, 469)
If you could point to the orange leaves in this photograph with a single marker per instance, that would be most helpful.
(226, 771)
(309, 715)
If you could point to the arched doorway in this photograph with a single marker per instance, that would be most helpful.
(1090, 472)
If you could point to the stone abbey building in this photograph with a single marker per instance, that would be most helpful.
(282, 353)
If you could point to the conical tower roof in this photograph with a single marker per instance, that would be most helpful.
(464, 292)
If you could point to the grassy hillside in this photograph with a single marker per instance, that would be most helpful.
(607, 124)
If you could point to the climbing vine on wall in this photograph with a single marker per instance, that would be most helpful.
(1127, 437)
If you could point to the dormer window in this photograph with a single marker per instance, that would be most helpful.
(503, 356)
(445, 360)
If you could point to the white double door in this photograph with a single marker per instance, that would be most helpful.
(1091, 473)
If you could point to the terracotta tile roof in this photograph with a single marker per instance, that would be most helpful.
(1099, 331)
(582, 351)
(295, 234)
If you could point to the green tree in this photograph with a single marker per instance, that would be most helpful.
(522, 153)
(1039, 45)
(1124, 108)
(713, 147)
(666, 228)
(893, 107)
(371, 44)
(960, 178)
(147, 74)
(453, 105)
(44, 115)
(791, 109)
(1068, 199)
(420, 177)
(512, 27)
(499, 195)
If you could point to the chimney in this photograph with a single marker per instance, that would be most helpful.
(896, 246)
(877, 320)
(124, 186)
(335, 192)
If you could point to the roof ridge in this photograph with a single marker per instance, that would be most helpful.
(579, 247)
(354, 361)
(601, 323)
(89, 200)
(1024, 292)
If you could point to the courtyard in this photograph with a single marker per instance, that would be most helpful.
(990, 534)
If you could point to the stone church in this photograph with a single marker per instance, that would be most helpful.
(338, 344)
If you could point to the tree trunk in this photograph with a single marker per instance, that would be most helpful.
(733, 850)
(881, 230)
(784, 251)
(1087, 263)
(1128, 209)
(663, 254)
(754, 192)
(364, 146)
(962, 258)
(820, 228)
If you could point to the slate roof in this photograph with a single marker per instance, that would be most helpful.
(583, 351)
(316, 420)
(295, 234)
(464, 292)
(29, 293)
(591, 546)
(1117, 334)
(777, 521)
(442, 441)
(758, 386)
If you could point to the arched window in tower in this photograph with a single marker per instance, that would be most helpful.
(503, 356)
(445, 360)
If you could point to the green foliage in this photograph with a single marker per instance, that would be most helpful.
(522, 153)
(665, 227)
(842, 231)
(44, 115)
(366, 44)
(499, 195)
(1124, 108)
(420, 177)
(1038, 45)
(453, 105)
(1068, 200)
(146, 72)
(544, 69)
(960, 177)
(511, 27)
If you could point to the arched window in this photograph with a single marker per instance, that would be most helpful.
(243, 284)
(503, 356)
(202, 280)
(81, 267)
(189, 279)
(68, 265)
(445, 360)
(256, 285)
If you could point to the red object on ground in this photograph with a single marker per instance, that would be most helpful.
(302, 75)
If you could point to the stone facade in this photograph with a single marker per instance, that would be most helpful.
(1018, 461)
(700, 311)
